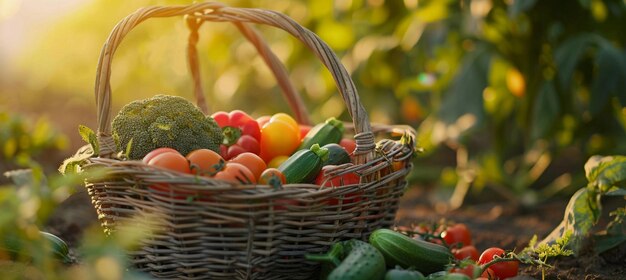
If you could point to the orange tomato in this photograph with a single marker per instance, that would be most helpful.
(277, 161)
(286, 118)
(157, 152)
(205, 162)
(171, 161)
(236, 172)
(253, 162)
(278, 138)
(272, 176)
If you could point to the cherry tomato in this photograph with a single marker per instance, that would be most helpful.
(205, 162)
(278, 138)
(171, 161)
(501, 270)
(457, 235)
(466, 252)
(252, 162)
(348, 144)
(272, 177)
(157, 152)
(236, 172)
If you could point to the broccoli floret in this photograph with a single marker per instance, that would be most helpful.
(165, 121)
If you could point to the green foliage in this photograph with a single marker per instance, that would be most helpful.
(22, 140)
(164, 121)
(606, 176)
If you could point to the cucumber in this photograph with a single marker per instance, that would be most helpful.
(15, 245)
(401, 250)
(331, 131)
(337, 155)
(443, 275)
(403, 274)
(303, 165)
(352, 259)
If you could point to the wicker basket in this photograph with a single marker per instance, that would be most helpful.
(245, 231)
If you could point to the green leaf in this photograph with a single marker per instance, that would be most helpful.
(89, 136)
(581, 213)
(465, 95)
(615, 233)
(545, 111)
(610, 78)
(605, 172)
(73, 164)
(520, 6)
(568, 54)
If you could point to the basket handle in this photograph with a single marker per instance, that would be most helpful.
(212, 11)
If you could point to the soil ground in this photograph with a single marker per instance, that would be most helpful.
(491, 224)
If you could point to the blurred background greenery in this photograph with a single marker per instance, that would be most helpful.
(509, 97)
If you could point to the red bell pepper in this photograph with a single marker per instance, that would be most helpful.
(241, 133)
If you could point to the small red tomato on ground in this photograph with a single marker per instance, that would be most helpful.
(457, 234)
(501, 270)
(466, 252)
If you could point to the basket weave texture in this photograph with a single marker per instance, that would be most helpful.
(229, 230)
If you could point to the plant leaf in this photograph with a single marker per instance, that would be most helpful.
(605, 172)
(546, 110)
(568, 54)
(611, 71)
(520, 6)
(581, 214)
(89, 136)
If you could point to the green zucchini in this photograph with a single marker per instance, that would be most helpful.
(15, 245)
(401, 250)
(444, 275)
(403, 274)
(337, 154)
(331, 131)
(303, 165)
(352, 259)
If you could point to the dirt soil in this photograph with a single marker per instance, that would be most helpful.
(491, 224)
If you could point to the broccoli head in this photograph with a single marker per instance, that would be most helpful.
(165, 121)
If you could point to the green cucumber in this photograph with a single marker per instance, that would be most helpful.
(352, 259)
(401, 250)
(403, 274)
(337, 155)
(15, 245)
(303, 165)
(331, 131)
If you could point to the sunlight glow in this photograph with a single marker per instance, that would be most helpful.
(8, 8)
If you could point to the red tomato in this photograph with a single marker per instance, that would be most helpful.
(466, 252)
(157, 152)
(236, 172)
(348, 144)
(205, 162)
(338, 181)
(278, 138)
(501, 270)
(457, 234)
(171, 161)
(252, 162)
(263, 120)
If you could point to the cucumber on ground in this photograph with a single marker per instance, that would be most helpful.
(353, 259)
(401, 250)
